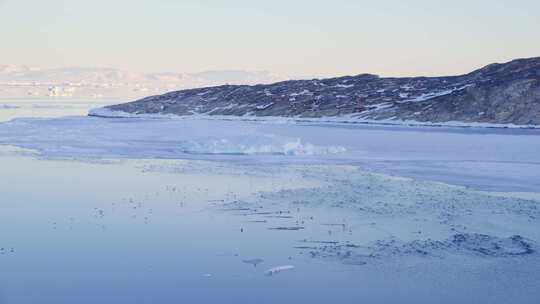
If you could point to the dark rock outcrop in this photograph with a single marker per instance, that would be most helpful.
(498, 93)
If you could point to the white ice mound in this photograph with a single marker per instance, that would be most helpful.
(163, 138)
(269, 145)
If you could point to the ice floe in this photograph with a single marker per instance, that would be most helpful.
(278, 269)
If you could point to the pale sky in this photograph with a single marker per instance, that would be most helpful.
(302, 37)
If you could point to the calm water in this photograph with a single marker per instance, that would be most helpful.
(176, 231)
(53, 107)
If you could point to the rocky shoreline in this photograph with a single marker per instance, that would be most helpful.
(501, 94)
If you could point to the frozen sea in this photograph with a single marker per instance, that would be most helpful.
(105, 210)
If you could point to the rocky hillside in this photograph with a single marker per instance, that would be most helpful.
(497, 93)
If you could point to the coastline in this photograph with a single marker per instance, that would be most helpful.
(345, 120)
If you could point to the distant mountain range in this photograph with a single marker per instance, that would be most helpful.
(22, 81)
(507, 93)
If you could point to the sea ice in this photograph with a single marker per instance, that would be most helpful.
(278, 269)
(486, 159)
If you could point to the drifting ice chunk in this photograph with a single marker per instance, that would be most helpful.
(279, 269)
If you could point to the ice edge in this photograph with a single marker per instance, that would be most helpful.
(105, 112)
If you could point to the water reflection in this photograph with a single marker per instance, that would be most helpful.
(148, 231)
(182, 231)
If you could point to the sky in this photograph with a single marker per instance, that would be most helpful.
(294, 38)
